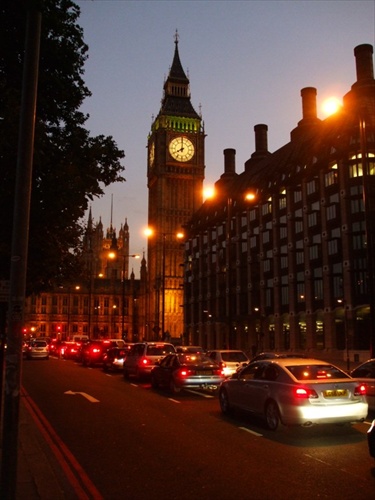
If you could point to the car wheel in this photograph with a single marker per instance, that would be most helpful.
(126, 374)
(105, 367)
(174, 388)
(272, 415)
(224, 402)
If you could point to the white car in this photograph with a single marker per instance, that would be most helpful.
(230, 360)
(295, 392)
(38, 349)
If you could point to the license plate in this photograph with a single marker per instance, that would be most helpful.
(336, 393)
(203, 372)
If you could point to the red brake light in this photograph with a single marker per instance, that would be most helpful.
(184, 372)
(95, 349)
(304, 393)
(360, 390)
(144, 361)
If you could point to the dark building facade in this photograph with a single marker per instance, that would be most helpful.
(291, 268)
(175, 173)
(104, 303)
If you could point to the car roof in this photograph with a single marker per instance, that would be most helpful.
(295, 361)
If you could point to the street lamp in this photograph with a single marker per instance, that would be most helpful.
(134, 256)
(248, 197)
(179, 235)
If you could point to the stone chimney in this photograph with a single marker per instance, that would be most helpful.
(309, 115)
(360, 100)
(364, 64)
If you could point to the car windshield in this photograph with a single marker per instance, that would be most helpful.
(234, 357)
(316, 372)
(159, 350)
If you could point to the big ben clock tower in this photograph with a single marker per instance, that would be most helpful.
(175, 173)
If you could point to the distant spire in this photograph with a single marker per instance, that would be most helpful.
(111, 209)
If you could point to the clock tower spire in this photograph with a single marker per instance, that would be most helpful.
(175, 174)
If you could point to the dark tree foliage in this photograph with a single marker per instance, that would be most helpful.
(70, 168)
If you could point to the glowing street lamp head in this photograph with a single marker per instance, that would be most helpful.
(331, 105)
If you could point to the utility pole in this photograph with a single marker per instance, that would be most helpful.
(18, 264)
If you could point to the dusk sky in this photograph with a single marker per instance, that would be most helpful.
(247, 62)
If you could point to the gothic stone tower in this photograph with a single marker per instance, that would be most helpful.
(175, 173)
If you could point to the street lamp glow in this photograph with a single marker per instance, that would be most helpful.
(331, 105)
(208, 192)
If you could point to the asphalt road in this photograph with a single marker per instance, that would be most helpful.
(136, 443)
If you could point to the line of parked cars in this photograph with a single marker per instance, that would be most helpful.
(282, 388)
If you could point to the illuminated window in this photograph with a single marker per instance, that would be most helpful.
(330, 178)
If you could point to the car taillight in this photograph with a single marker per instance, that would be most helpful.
(304, 393)
(360, 390)
(95, 350)
(144, 361)
(183, 372)
(219, 372)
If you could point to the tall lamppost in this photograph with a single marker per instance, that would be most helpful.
(247, 197)
(125, 257)
(179, 235)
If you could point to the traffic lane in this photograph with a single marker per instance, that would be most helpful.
(189, 446)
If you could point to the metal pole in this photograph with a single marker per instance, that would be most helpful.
(163, 290)
(18, 264)
(123, 298)
(369, 209)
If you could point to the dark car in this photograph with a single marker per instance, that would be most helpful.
(92, 352)
(71, 350)
(113, 359)
(187, 371)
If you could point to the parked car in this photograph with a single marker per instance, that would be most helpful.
(38, 349)
(113, 359)
(189, 348)
(365, 373)
(274, 355)
(143, 356)
(229, 359)
(295, 391)
(187, 371)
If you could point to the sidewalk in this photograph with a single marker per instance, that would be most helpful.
(39, 475)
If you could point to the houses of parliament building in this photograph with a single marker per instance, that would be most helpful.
(281, 259)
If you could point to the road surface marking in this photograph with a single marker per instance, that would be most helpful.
(250, 431)
(87, 396)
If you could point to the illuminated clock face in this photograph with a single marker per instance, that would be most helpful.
(151, 154)
(181, 149)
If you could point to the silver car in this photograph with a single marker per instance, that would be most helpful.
(142, 358)
(187, 371)
(38, 349)
(295, 392)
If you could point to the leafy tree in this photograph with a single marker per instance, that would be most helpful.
(70, 168)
